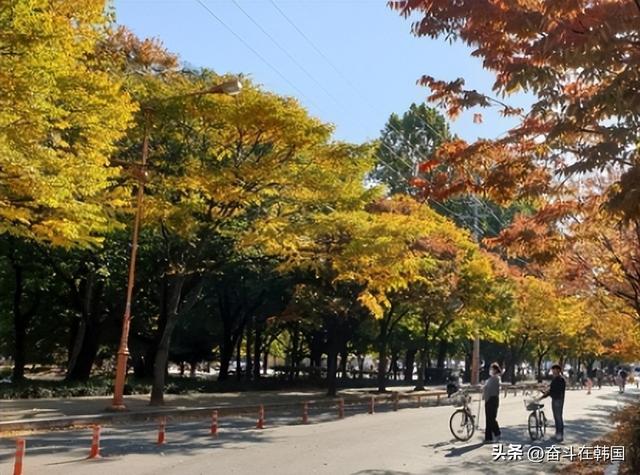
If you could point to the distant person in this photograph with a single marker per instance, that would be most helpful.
(622, 379)
(556, 391)
(491, 397)
(452, 386)
(599, 377)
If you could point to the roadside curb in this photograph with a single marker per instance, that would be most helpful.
(190, 413)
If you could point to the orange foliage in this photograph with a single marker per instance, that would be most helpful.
(578, 58)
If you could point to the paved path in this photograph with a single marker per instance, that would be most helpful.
(408, 442)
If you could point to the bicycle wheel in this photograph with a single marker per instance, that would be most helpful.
(462, 425)
(543, 425)
(534, 428)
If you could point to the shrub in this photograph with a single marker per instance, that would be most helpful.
(628, 434)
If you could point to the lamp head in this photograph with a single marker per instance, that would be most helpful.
(230, 88)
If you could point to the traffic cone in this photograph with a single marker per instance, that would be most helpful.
(214, 423)
(305, 413)
(20, 449)
(260, 423)
(372, 405)
(95, 443)
(341, 408)
(161, 430)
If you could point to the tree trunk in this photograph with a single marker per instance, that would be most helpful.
(316, 346)
(239, 358)
(293, 351)
(332, 367)
(226, 352)
(361, 366)
(257, 347)
(383, 337)
(409, 361)
(424, 355)
(21, 319)
(343, 362)
(468, 358)
(162, 355)
(19, 326)
(393, 365)
(265, 357)
(78, 340)
(512, 372)
(443, 347)
(422, 368)
(81, 371)
(539, 367)
(248, 350)
(88, 336)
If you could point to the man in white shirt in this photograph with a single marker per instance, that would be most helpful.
(491, 397)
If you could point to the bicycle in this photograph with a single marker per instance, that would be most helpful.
(462, 422)
(537, 420)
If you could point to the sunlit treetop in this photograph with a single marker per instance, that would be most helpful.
(61, 113)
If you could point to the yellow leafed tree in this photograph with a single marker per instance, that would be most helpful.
(60, 116)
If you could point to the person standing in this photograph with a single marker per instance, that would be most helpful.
(622, 379)
(491, 397)
(556, 391)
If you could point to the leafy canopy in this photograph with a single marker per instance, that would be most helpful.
(60, 116)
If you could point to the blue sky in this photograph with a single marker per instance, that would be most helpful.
(373, 65)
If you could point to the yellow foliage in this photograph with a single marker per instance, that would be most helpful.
(60, 116)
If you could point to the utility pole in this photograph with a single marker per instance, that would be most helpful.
(231, 87)
(475, 356)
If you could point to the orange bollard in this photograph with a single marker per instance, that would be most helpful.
(305, 413)
(372, 405)
(214, 423)
(161, 430)
(341, 408)
(95, 443)
(20, 449)
(396, 400)
(260, 423)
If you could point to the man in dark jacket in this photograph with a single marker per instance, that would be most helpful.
(556, 391)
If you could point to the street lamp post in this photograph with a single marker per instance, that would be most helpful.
(475, 361)
(230, 88)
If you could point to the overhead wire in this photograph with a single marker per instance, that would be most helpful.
(281, 48)
(255, 52)
(403, 160)
(369, 103)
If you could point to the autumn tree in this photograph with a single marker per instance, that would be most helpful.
(575, 58)
(216, 164)
(60, 116)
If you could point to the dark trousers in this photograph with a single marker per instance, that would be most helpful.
(556, 407)
(491, 412)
